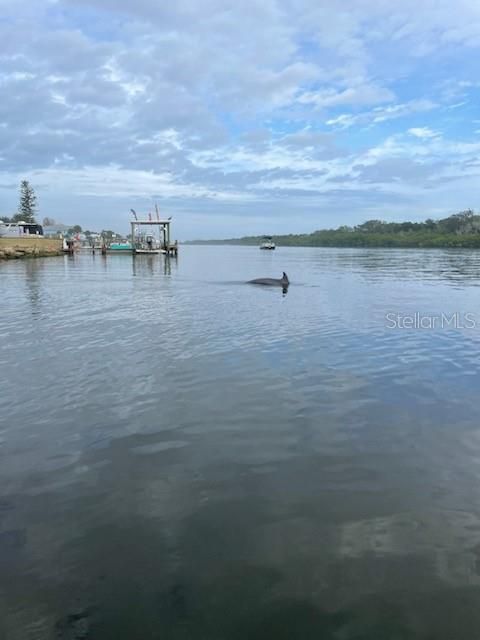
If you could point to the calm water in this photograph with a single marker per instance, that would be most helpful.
(184, 456)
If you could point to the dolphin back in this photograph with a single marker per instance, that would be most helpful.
(272, 282)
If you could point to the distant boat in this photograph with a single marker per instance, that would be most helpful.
(268, 243)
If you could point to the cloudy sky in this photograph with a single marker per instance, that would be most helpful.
(259, 116)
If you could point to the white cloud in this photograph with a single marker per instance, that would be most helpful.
(343, 121)
(382, 114)
(423, 133)
(105, 181)
(364, 94)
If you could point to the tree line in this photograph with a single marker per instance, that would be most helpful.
(458, 230)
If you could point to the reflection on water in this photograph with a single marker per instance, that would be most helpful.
(435, 265)
(185, 456)
(151, 264)
(33, 284)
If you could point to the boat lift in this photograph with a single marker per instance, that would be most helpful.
(144, 243)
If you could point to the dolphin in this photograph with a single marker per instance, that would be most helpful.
(272, 282)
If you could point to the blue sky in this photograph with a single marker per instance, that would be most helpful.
(270, 116)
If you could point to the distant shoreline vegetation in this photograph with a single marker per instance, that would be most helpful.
(459, 230)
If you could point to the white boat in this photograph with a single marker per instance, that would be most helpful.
(268, 243)
(150, 251)
(20, 229)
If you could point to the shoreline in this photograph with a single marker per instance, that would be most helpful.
(334, 246)
(18, 248)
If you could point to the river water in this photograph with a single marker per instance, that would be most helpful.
(183, 455)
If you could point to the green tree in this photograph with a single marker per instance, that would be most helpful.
(371, 226)
(28, 202)
(77, 228)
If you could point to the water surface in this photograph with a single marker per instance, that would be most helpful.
(183, 455)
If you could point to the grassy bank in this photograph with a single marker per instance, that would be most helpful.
(34, 247)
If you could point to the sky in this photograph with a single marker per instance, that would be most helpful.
(253, 117)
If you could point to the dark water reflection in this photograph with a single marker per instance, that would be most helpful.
(185, 456)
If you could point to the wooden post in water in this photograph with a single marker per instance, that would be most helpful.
(164, 237)
(132, 239)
